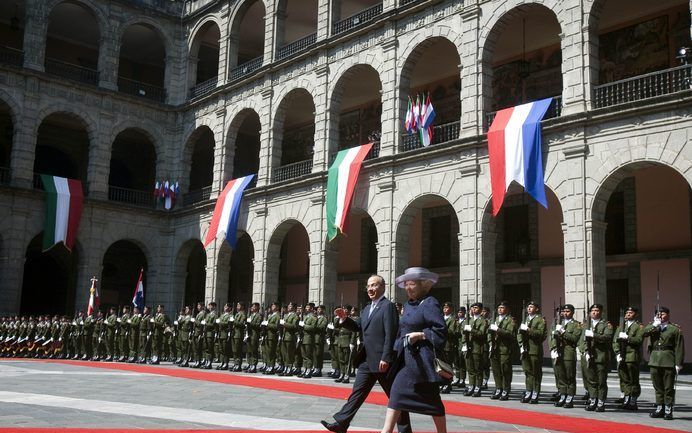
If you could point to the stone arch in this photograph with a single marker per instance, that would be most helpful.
(83, 117)
(190, 277)
(64, 141)
(235, 269)
(121, 264)
(15, 109)
(279, 118)
(133, 162)
(148, 22)
(238, 117)
(275, 267)
(188, 159)
(100, 15)
(239, 11)
(197, 28)
(350, 66)
(149, 130)
(7, 143)
(197, 57)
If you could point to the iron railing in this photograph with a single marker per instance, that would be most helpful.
(204, 87)
(407, 2)
(137, 88)
(246, 68)
(73, 72)
(11, 56)
(374, 153)
(645, 86)
(296, 47)
(356, 20)
(131, 196)
(292, 171)
(555, 110)
(441, 134)
(197, 196)
(5, 175)
(38, 184)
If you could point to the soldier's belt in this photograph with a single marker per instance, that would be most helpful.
(663, 348)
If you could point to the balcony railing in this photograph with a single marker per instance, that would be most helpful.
(292, 171)
(197, 196)
(204, 87)
(357, 19)
(645, 86)
(296, 47)
(11, 56)
(408, 2)
(5, 175)
(131, 196)
(555, 110)
(73, 72)
(246, 68)
(137, 88)
(441, 134)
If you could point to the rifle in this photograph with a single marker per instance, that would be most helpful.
(524, 338)
(467, 334)
(658, 294)
(558, 317)
(587, 325)
(622, 343)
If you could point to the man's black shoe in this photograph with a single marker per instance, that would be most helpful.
(334, 426)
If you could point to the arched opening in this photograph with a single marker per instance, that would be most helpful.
(196, 273)
(296, 26)
(247, 39)
(347, 15)
(204, 59)
(142, 63)
(427, 235)
(523, 252)
(288, 264)
(357, 260)
(62, 147)
(50, 279)
(294, 136)
(6, 136)
(645, 242)
(246, 143)
(132, 168)
(12, 23)
(432, 70)
(522, 60)
(72, 51)
(356, 108)
(121, 266)
(200, 155)
(241, 271)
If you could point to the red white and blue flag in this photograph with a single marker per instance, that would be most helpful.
(514, 149)
(138, 297)
(425, 130)
(226, 212)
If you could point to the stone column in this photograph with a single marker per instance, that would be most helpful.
(388, 5)
(323, 19)
(575, 48)
(320, 158)
(13, 255)
(191, 73)
(24, 145)
(232, 54)
(271, 23)
(100, 154)
(335, 11)
(224, 45)
(262, 291)
(266, 139)
(109, 51)
(470, 233)
(35, 34)
(219, 153)
(473, 80)
(390, 136)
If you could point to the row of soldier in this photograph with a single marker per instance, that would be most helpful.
(477, 344)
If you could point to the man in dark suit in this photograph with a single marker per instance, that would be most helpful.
(378, 324)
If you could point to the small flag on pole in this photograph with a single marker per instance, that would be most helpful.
(138, 297)
(93, 298)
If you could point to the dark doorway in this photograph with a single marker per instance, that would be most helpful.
(241, 271)
(121, 266)
(196, 277)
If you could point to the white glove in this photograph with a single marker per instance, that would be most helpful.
(328, 342)
(623, 336)
(677, 369)
(588, 333)
(218, 320)
(248, 320)
(330, 326)
(578, 353)
(657, 322)
(75, 323)
(118, 320)
(152, 321)
(618, 358)
(461, 320)
(203, 322)
(493, 327)
(558, 327)
(358, 341)
(60, 339)
(301, 323)
(464, 349)
(175, 323)
(264, 323)
(193, 320)
(467, 328)
(81, 322)
(554, 354)
(282, 322)
(130, 321)
(351, 346)
(524, 327)
(521, 350)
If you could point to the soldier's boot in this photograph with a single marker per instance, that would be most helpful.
(534, 397)
(477, 391)
(657, 413)
(346, 379)
(668, 412)
(317, 373)
(632, 404)
(527, 397)
(625, 402)
(569, 402)
(505, 395)
(469, 391)
(591, 406)
(621, 399)
(496, 394)
(307, 374)
(457, 381)
(335, 374)
(561, 401)
(600, 406)
(207, 365)
(239, 367)
(485, 384)
(222, 366)
(462, 385)
(444, 389)
(339, 379)
(269, 371)
(252, 368)
(246, 367)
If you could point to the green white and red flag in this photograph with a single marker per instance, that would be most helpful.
(341, 183)
(64, 201)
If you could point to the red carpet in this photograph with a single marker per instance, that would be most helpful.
(564, 423)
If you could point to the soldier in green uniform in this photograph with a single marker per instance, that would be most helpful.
(450, 348)
(210, 334)
(460, 359)
(133, 324)
(176, 342)
(501, 336)
(298, 356)
(225, 327)
(98, 337)
(254, 329)
(288, 343)
(667, 348)
(627, 346)
(532, 333)
(198, 337)
(475, 337)
(124, 336)
(111, 329)
(160, 322)
(185, 331)
(346, 342)
(595, 346)
(320, 332)
(271, 326)
(563, 350)
(77, 339)
(87, 332)
(332, 334)
(309, 324)
(485, 312)
(146, 328)
(239, 323)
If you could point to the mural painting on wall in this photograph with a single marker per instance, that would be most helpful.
(519, 81)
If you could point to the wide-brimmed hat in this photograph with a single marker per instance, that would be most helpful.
(416, 273)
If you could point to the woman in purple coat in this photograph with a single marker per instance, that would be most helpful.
(422, 332)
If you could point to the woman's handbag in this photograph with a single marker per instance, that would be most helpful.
(443, 369)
